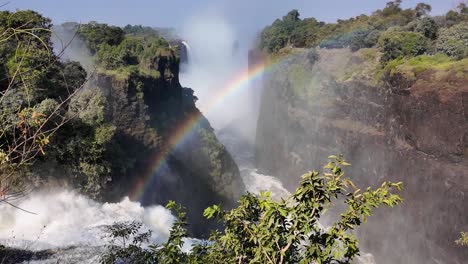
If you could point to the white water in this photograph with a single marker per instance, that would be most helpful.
(68, 219)
(71, 225)
(187, 46)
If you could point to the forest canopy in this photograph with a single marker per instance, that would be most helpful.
(388, 29)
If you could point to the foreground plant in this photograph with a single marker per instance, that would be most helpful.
(463, 240)
(262, 230)
(36, 88)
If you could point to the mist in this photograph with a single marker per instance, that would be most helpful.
(312, 108)
(217, 57)
(70, 47)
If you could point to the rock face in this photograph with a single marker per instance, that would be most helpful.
(197, 172)
(311, 110)
(154, 141)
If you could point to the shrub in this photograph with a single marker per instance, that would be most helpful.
(428, 27)
(454, 41)
(138, 51)
(463, 240)
(397, 44)
(96, 34)
(262, 230)
(364, 39)
(126, 244)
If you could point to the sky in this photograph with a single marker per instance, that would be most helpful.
(244, 15)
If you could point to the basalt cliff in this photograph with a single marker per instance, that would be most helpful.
(137, 132)
(315, 104)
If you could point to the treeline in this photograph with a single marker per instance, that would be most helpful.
(126, 50)
(58, 127)
(397, 32)
(36, 88)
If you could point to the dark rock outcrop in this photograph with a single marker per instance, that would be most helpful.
(197, 172)
(310, 111)
(143, 132)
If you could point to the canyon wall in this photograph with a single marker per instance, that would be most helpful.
(141, 133)
(316, 104)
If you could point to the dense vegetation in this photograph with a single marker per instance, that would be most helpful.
(261, 230)
(101, 138)
(92, 146)
(35, 92)
(367, 31)
(408, 42)
(131, 49)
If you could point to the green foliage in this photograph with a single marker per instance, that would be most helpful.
(403, 72)
(422, 9)
(423, 62)
(427, 27)
(96, 34)
(135, 54)
(24, 26)
(93, 145)
(453, 41)
(358, 32)
(398, 44)
(364, 39)
(463, 240)
(171, 251)
(141, 31)
(35, 89)
(463, 8)
(280, 34)
(392, 8)
(102, 136)
(261, 230)
(89, 145)
(399, 34)
(126, 244)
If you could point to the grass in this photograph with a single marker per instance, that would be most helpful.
(440, 64)
(123, 73)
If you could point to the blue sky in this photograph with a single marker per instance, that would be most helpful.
(244, 15)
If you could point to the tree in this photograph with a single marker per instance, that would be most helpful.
(292, 16)
(282, 32)
(126, 244)
(453, 41)
(392, 8)
(463, 8)
(261, 230)
(422, 9)
(96, 34)
(397, 44)
(35, 91)
(428, 27)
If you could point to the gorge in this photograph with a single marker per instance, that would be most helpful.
(203, 117)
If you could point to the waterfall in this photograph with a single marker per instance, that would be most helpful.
(185, 53)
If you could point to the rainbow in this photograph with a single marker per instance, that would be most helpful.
(189, 123)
